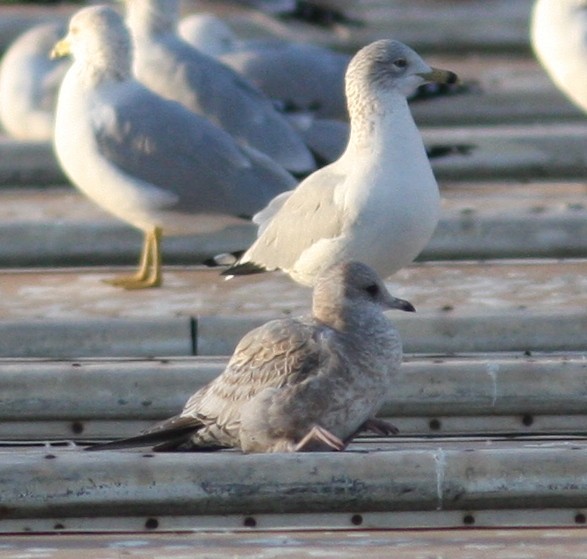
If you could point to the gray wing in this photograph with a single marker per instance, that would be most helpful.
(212, 89)
(306, 216)
(279, 353)
(305, 77)
(162, 143)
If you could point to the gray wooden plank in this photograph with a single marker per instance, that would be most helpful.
(105, 399)
(346, 543)
(462, 307)
(504, 152)
(59, 227)
(119, 337)
(441, 289)
(474, 25)
(527, 152)
(426, 333)
(60, 485)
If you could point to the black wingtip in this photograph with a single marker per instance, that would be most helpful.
(244, 269)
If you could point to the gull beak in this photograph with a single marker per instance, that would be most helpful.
(440, 76)
(400, 304)
(62, 48)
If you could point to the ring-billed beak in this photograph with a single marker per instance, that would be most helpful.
(440, 76)
(60, 49)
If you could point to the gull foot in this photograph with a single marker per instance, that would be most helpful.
(379, 427)
(135, 282)
(319, 439)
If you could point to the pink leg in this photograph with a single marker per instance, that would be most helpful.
(319, 439)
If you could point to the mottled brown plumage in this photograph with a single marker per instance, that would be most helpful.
(294, 384)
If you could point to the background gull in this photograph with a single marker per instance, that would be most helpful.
(379, 202)
(29, 82)
(323, 13)
(147, 160)
(295, 384)
(174, 69)
(559, 37)
(304, 77)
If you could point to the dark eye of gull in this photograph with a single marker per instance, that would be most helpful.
(372, 289)
(401, 62)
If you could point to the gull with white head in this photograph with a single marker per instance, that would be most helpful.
(379, 202)
(558, 33)
(298, 384)
(29, 82)
(175, 70)
(147, 160)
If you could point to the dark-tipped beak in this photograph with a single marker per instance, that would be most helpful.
(440, 76)
(401, 304)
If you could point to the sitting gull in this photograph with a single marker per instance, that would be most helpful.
(29, 82)
(379, 202)
(174, 69)
(298, 384)
(558, 33)
(144, 159)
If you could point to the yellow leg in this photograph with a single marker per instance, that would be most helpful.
(149, 273)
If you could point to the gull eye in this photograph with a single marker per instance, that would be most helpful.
(372, 290)
(400, 63)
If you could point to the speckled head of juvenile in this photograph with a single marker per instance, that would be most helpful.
(388, 65)
(350, 289)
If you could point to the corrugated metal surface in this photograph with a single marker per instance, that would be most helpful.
(492, 406)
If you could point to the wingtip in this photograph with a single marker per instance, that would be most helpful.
(243, 269)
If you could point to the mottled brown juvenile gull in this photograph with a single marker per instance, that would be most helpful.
(558, 32)
(29, 82)
(174, 69)
(146, 160)
(296, 384)
(379, 202)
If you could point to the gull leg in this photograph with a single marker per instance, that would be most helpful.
(317, 438)
(149, 273)
(375, 425)
(379, 427)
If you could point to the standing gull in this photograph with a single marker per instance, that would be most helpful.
(379, 202)
(175, 70)
(144, 159)
(29, 82)
(294, 384)
(558, 33)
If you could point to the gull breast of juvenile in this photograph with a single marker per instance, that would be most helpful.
(29, 82)
(379, 202)
(298, 384)
(302, 76)
(558, 34)
(147, 160)
(175, 70)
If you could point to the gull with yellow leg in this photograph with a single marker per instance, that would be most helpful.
(147, 160)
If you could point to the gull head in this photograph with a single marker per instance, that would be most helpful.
(388, 65)
(99, 42)
(152, 17)
(349, 289)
